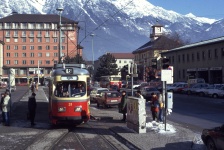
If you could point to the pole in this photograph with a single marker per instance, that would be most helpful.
(60, 52)
(132, 94)
(38, 69)
(165, 89)
(92, 49)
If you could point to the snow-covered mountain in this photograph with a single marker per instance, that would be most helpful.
(118, 25)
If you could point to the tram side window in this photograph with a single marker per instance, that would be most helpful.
(70, 89)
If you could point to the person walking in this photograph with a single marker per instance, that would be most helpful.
(161, 107)
(2, 100)
(123, 105)
(32, 108)
(154, 106)
(139, 94)
(6, 108)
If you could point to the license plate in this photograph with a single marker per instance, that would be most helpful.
(113, 100)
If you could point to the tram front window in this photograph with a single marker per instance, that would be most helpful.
(70, 89)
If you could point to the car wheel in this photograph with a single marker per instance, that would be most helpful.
(201, 94)
(210, 144)
(215, 96)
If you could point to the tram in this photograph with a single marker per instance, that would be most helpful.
(68, 96)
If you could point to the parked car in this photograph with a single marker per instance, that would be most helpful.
(215, 93)
(204, 91)
(108, 98)
(140, 85)
(213, 138)
(96, 92)
(171, 88)
(147, 92)
(194, 87)
(179, 88)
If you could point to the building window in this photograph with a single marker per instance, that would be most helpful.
(39, 47)
(23, 25)
(183, 58)
(39, 54)
(216, 53)
(15, 62)
(32, 62)
(7, 25)
(40, 62)
(8, 47)
(7, 62)
(198, 56)
(24, 62)
(63, 47)
(39, 40)
(31, 34)
(55, 40)
(23, 47)
(39, 26)
(23, 33)
(47, 40)
(31, 47)
(183, 74)
(119, 61)
(7, 33)
(63, 40)
(192, 56)
(15, 34)
(31, 54)
(15, 40)
(7, 54)
(55, 48)
(55, 61)
(31, 40)
(16, 55)
(203, 55)
(31, 26)
(209, 54)
(15, 47)
(188, 58)
(7, 40)
(23, 54)
(47, 62)
(24, 40)
(47, 54)
(47, 47)
(47, 25)
(125, 61)
(55, 54)
(173, 59)
(179, 74)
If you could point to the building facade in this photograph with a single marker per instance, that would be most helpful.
(199, 60)
(31, 42)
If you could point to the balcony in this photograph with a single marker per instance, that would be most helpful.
(39, 35)
(15, 35)
(23, 35)
(31, 35)
(54, 35)
(47, 35)
(7, 35)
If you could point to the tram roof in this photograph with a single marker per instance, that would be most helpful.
(70, 69)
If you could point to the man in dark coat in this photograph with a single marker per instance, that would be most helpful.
(123, 105)
(32, 108)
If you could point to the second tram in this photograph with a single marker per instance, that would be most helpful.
(68, 96)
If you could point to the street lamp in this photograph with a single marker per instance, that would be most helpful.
(92, 48)
(60, 52)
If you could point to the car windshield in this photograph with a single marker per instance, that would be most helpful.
(150, 89)
(100, 91)
(115, 94)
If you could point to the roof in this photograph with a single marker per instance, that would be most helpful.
(35, 18)
(161, 43)
(202, 43)
(123, 55)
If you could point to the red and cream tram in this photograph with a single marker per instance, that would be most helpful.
(68, 96)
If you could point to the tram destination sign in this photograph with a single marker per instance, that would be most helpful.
(66, 78)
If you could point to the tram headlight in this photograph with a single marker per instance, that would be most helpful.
(78, 109)
(61, 109)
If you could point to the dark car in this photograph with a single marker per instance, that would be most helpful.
(213, 138)
(108, 98)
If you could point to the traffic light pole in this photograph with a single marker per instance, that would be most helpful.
(166, 103)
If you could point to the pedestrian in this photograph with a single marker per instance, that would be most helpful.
(154, 106)
(2, 100)
(122, 106)
(32, 87)
(139, 94)
(6, 108)
(32, 108)
(161, 107)
(36, 86)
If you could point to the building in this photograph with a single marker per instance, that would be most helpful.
(151, 50)
(123, 59)
(31, 41)
(198, 60)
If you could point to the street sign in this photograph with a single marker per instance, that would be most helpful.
(166, 75)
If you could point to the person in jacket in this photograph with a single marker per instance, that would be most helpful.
(123, 105)
(154, 106)
(139, 94)
(161, 106)
(32, 108)
(2, 100)
(6, 108)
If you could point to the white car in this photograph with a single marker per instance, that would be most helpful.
(171, 88)
(194, 87)
(215, 93)
(95, 93)
(204, 91)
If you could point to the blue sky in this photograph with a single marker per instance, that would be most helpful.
(213, 9)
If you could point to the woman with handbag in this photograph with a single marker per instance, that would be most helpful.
(123, 105)
(154, 106)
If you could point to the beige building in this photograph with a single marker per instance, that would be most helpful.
(199, 60)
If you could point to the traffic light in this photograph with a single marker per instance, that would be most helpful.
(154, 63)
(165, 63)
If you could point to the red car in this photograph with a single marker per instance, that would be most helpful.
(108, 98)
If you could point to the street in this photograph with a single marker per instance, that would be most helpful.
(192, 112)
